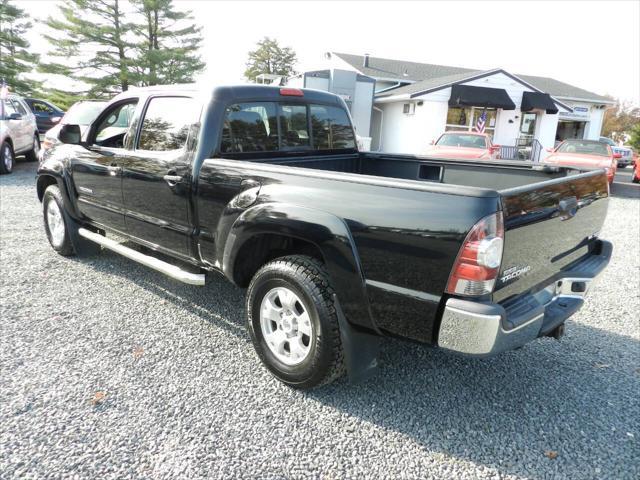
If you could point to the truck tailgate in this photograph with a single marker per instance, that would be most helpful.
(547, 226)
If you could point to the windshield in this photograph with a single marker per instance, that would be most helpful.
(584, 147)
(462, 140)
(608, 141)
(83, 113)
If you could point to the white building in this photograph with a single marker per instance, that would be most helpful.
(414, 103)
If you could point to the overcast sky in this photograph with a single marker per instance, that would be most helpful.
(592, 45)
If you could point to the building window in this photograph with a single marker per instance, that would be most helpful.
(409, 108)
(464, 119)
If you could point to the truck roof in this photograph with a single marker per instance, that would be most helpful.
(249, 92)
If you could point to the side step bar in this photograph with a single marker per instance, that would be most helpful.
(171, 270)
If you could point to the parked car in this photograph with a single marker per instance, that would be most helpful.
(585, 154)
(81, 113)
(466, 145)
(626, 153)
(47, 114)
(18, 132)
(336, 247)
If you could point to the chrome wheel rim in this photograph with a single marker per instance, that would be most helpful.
(286, 325)
(56, 223)
(8, 157)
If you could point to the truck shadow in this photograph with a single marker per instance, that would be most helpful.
(205, 303)
(502, 412)
(506, 412)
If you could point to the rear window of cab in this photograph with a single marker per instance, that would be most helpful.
(272, 126)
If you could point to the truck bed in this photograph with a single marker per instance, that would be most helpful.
(493, 175)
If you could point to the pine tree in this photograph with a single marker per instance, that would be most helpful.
(270, 58)
(168, 50)
(95, 40)
(15, 59)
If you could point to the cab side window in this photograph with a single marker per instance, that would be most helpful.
(167, 123)
(18, 107)
(39, 107)
(115, 125)
(8, 108)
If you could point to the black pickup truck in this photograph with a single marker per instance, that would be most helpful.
(336, 247)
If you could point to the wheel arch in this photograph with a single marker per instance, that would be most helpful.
(268, 231)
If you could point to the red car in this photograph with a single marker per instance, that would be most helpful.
(464, 145)
(587, 154)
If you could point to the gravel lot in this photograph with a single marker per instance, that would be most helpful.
(110, 370)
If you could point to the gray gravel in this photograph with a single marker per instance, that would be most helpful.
(109, 370)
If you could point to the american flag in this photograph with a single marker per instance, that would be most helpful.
(482, 120)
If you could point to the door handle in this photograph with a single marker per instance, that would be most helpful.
(172, 179)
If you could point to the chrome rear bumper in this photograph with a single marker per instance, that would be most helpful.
(485, 329)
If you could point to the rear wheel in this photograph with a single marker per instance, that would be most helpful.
(32, 155)
(293, 322)
(7, 158)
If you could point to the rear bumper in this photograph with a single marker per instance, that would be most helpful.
(485, 329)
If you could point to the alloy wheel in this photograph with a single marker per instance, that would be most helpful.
(286, 325)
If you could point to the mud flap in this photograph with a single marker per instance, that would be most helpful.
(82, 247)
(360, 349)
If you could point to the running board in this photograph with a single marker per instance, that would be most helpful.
(152, 262)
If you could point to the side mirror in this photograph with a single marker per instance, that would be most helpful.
(70, 134)
(617, 155)
(432, 142)
(15, 116)
(495, 148)
(55, 119)
(550, 150)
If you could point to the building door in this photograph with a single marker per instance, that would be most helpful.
(527, 128)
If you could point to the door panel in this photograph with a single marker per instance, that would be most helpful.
(157, 176)
(97, 175)
(157, 209)
(97, 170)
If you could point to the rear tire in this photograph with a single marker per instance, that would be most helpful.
(293, 322)
(32, 155)
(7, 158)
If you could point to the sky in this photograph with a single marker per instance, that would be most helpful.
(590, 44)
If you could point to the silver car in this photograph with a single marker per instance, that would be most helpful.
(18, 132)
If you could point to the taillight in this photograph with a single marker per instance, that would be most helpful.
(478, 263)
(291, 92)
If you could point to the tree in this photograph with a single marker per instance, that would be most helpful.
(634, 141)
(15, 58)
(620, 120)
(93, 36)
(168, 50)
(270, 58)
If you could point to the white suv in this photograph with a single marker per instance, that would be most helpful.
(18, 132)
